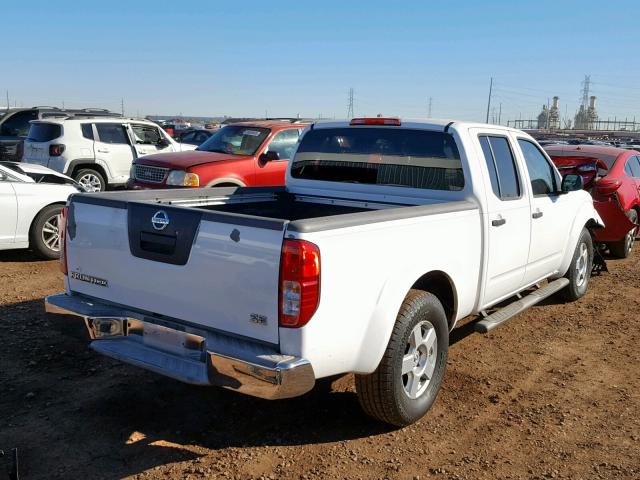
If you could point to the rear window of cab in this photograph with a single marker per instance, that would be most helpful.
(389, 156)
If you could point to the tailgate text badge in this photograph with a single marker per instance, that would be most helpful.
(258, 319)
(89, 279)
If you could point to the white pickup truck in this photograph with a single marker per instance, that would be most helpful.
(387, 233)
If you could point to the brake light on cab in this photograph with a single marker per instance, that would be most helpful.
(299, 283)
(62, 232)
(395, 122)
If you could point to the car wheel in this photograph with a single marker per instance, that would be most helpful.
(579, 272)
(90, 179)
(622, 248)
(405, 384)
(44, 237)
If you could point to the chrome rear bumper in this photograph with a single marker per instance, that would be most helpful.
(186, 353)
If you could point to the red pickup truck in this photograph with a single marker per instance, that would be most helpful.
(242, 154)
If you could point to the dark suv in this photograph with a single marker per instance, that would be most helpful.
(14, 126)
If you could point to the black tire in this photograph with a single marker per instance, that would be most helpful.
(40, 235)
(622, 248)
(89, 177)
(382, 393)
(579, 273)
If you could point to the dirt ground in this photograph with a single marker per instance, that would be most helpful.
(555, 393)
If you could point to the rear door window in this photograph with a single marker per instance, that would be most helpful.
(44, 132)
(502, 166)
(114, 133)
(392, 156)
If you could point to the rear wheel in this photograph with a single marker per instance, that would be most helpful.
(44, 237)
(622, 248)
(579, 272)
(405, 384)
(90, 179)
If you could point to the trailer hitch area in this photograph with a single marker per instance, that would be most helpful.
(11, 461)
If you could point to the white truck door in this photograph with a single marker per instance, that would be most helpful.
(551, 213)
(113, 147)
(508, 217)
(8, 210)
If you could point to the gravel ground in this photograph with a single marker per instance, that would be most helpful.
(552, 394)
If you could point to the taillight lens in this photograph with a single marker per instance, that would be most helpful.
(62, 231)
(299, 283)
(607, 186)
(56, 150)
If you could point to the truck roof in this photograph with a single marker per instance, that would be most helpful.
(422, 123)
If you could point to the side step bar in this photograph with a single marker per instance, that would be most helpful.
(498, 318)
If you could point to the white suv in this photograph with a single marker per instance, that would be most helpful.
(96, 151)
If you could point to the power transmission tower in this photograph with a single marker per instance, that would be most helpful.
(429, 111)
(122, 106)
(350, 113)
(8, 104)
(489, 102)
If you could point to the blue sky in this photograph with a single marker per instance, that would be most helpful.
(287, 58)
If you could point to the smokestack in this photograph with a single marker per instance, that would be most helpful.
(592, 102)
(555, 102)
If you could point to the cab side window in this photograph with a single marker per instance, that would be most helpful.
(113, 133)
(501, 165)
(542, 174)
(284, 142)
(145, 134)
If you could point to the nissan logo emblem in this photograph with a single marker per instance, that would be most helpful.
(160, 220)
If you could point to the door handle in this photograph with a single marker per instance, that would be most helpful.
(537, 214)
(497, 223)
(103, 150)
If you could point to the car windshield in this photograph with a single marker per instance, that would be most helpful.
(235, 140)
(382, 156)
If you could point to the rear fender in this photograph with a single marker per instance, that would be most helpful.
(376, 338)
(586, 215)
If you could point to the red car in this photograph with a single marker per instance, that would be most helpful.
(612, 175)
(242, 154)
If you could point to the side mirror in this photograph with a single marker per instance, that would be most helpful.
(269, 156)
(163, 142)
(571, 183)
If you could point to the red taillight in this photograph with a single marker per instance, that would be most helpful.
(62, 231)
(607, 186)
(56, 150)
(299, 283)
(376, 121)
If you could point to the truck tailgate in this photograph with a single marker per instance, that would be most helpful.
(214, 270)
